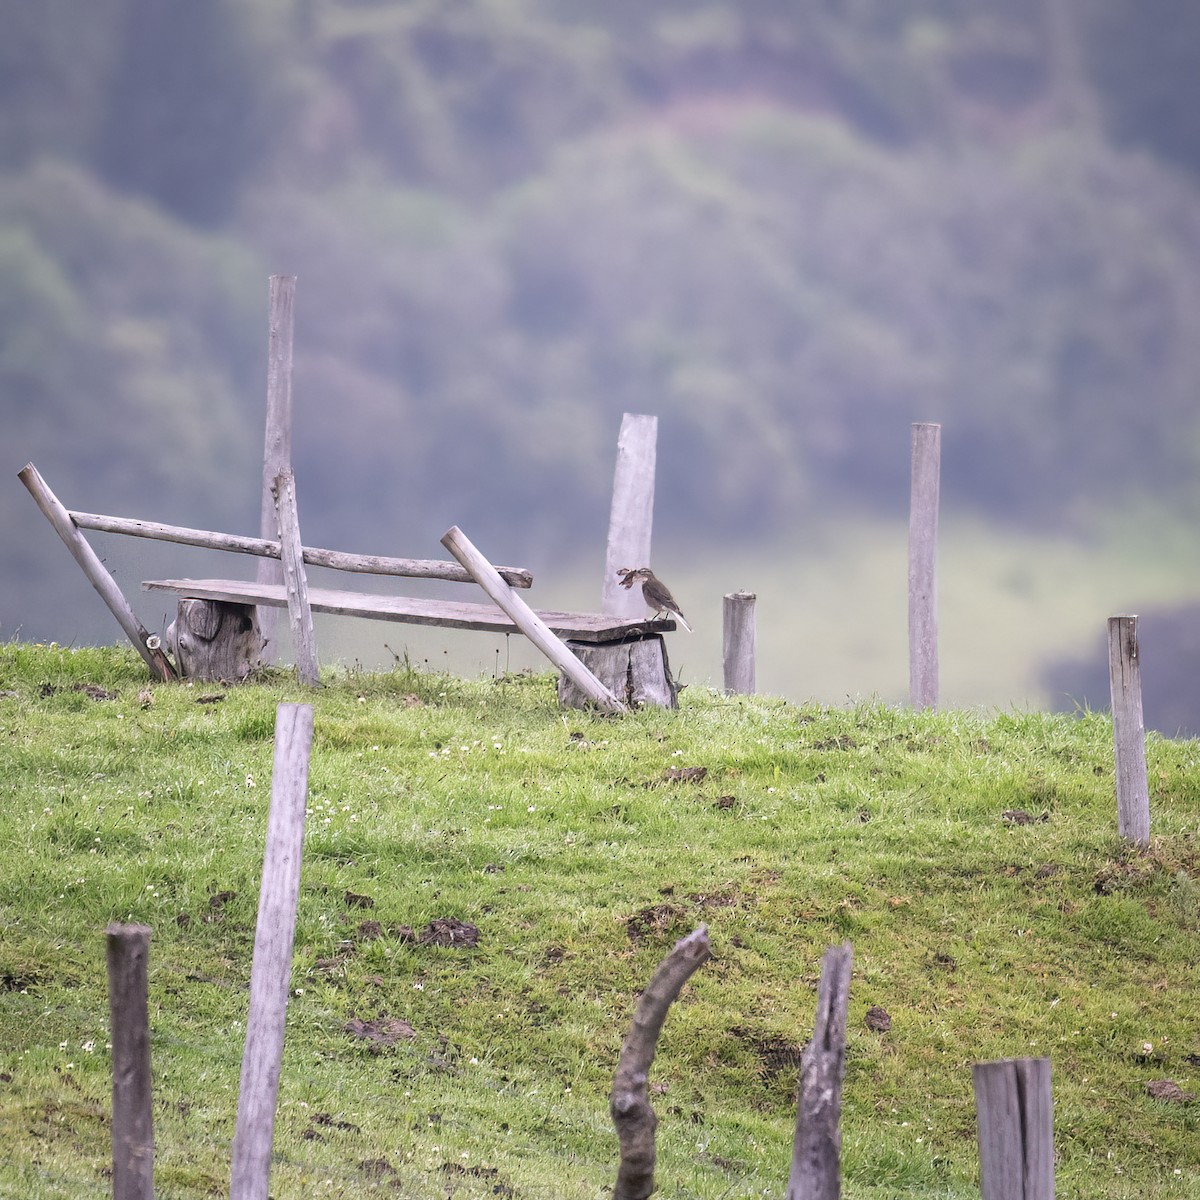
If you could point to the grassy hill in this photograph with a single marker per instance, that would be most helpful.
(561, 839)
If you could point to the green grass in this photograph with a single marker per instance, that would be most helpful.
(556, 835)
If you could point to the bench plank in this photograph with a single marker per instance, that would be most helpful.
(413, 610)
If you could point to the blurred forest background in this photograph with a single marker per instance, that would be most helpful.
(789, 228)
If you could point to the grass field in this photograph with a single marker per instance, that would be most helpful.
(561, 839)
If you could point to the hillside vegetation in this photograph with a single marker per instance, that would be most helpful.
(787, 229)
(971, 861)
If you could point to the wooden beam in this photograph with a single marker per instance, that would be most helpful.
(314, 556)
(295, 582)
(527, 621)
(98, 576)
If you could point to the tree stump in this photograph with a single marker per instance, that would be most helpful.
(215, 639)
(636, 672)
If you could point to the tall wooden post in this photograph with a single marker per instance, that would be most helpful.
(132, 1120)
(739, 643)
(1129, 732)
(271, 968)
(631, 518)
(277, 441)
(1015, 1108)
(922, 566)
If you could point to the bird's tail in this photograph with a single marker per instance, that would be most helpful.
(684, 623)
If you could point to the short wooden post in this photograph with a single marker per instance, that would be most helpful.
(631, 517)
(527, 621)
(635, 1121)
(304, 641)
(1015, 1109)
(739, 642)
(1129, 732)
(98, 576)
(271, 969)
(817, 1145)
(277, 441)
(132, 1120)
(922, 566)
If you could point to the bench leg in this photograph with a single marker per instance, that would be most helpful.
(215, 639)
(637, 672)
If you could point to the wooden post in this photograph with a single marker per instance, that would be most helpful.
(304, 640)
(632, 1115)
(132, 1119)
(277, 441)
(98, 576)
(215, 639)
(638, 672)
(631, 517)
(1015, 1108)
(817, 1144)
(271, 969)
(922, 566)
(527, 621)
(739, 643)
(1129, 733)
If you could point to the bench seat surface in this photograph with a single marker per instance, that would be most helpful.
(413, 610)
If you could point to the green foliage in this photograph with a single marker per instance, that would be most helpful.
(559, 838)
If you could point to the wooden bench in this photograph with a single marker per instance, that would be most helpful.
(610, 660)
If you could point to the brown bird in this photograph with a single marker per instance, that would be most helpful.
(654, 592)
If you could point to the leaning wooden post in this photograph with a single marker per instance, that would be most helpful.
(1129, 732)
(277, 441)
(817, 1145)
(631, 517)
(304, 641)
(271, 969)
(632, 1115)
(132, 1119)
(922, 566)
(739, 642)
(145, 644)
(527, 621)
(1015, 1108)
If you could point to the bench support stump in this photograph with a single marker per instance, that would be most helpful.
(635, 671)
(215, 639)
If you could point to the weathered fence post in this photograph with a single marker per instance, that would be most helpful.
(271, 969)
(632, 1115)
(632, 514)
(132, 1120)
(97, 574)
(922, 566)
(1129, 732)
(1015, 1108)
(817, 1145)
(739, 642)
(277, 441)
(304, 642)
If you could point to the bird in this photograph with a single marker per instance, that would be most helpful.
(656, 593)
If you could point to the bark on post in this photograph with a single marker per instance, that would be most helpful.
(271, 967)
(922, 566)
(1129, 731)
(277, 440)
(739, 643)
(632, 1115)
(817, 1145)
(215, 639)
(98, 576)
(527, 621)
(638, 672)
(631, 517)
(304, 641)
(1015, 1107)
(132, 1120)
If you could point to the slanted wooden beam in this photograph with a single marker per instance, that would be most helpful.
(304, 641)
(97, 574)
